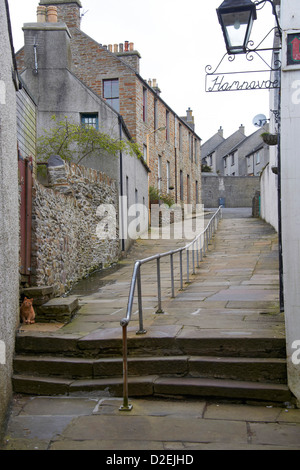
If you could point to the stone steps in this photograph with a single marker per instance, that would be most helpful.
(188, 365)
(249, 369)
(108, 344)
(156, 386)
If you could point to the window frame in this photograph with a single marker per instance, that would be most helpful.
(145, 106)
(92, 116)
(111, 100)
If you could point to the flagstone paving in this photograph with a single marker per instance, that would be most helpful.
(234, 292)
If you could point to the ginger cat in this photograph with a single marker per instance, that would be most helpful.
(27, 311)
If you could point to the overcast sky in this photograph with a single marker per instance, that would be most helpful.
(176, 40)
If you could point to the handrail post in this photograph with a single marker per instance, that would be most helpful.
(187, 265)
(180, 263)
(126, 406)
(172, 275)
(159, 308)
(140, 304)
(193, 257)
(201, 247)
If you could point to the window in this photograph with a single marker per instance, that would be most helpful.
(196, 155)
(168, 177)
(155, 115)
(232, 159)
(188, 189)
(257, 158)
(111, 93)
(144, 104)
(167, 125)
(191, 142)
(90, 120)
(181, 185)
(145, 153)
(159, 173)
(180, 137)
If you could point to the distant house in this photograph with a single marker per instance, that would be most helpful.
(213, 155)
(248, 157)
(208, 150)
(238, 155)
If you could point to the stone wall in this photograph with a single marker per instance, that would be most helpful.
(65, 243)
(237, 191)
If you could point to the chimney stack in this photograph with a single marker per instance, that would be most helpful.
(41, 14)
(155, 87)
(128, 54)
(52, 14)
(220, 131)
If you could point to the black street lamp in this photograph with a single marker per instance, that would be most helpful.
(236, 19)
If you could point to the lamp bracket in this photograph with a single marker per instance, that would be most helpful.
(263, 3)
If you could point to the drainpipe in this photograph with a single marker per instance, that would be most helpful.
(121, 188)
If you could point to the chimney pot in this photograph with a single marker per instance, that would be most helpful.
(116, 48)
(110, 47)
(126, 45)
(41, 14)
(120, 47)
(131, 46)
(52, 14)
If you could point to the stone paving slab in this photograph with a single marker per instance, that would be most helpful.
(85, 423)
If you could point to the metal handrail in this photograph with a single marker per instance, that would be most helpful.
(202, 240)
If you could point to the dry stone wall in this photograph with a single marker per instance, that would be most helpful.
(65, 245)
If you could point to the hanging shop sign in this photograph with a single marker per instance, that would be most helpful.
(266, 77)
(242, 81)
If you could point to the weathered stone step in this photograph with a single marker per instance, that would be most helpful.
(156, 386)
(60, 309)
(251, 369)
(104, 344)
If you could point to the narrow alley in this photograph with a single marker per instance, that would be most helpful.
(231, 300)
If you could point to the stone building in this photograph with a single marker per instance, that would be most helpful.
(45, 65)
(237, 155)
(217, 147)
(169, 143)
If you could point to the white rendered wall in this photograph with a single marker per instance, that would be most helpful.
(290, 183)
